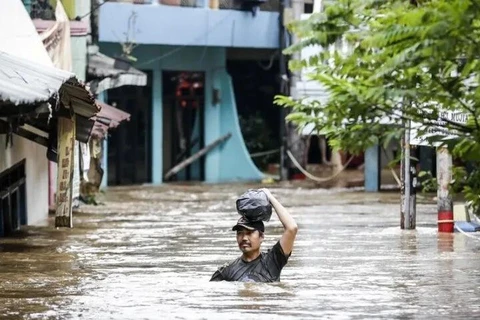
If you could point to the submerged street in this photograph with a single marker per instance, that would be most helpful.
(149, 252)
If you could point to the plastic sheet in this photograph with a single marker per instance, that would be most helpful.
(254, 206)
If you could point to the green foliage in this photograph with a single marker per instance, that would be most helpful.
(403, 63)
(427, 182)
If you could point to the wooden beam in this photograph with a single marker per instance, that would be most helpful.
(196, 156)
(24, 133)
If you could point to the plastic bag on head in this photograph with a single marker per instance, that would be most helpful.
(254, 205)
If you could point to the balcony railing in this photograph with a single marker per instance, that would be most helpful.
(270, 5)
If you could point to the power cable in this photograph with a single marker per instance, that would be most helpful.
(179, 48)
(93, 10)
(270, 63)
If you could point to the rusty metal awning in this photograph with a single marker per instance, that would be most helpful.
(25, 84)
(103, 74)
(109, 117)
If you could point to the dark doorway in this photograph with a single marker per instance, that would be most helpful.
(129, 145)
(13, 198)
(183, 123)
(255, 84)
(315, 155)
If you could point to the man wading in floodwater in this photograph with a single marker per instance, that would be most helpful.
(253, 265)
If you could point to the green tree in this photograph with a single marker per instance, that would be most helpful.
(408, 62)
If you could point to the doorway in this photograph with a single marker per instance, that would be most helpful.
(183, 123)
(255, 85)
(13, 198)
(129, 145)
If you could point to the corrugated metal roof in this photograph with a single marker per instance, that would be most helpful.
(26, 82)
(23, 82)
(104, 75)
(114, 114)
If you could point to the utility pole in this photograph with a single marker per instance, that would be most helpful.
(294, 143)
(284, 90)
(409, 179)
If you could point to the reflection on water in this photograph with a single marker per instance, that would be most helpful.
(148, 253)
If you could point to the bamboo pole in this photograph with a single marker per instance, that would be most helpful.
(196, 156)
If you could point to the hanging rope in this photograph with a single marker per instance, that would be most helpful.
(466, 234)
(311, 176)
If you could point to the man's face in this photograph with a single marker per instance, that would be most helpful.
(249, 241)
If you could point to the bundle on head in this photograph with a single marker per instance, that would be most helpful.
(254, 206)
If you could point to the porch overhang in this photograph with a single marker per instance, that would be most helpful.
(103, 74)
(27, 84)
(108, 118)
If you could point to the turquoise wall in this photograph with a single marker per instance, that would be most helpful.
(187, 26)
(228, 162)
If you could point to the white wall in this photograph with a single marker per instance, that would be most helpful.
(82, 8)
(79, 56)
(36, 171)
(22, 40)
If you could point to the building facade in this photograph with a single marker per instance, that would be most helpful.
(46, 110)
(194, 55)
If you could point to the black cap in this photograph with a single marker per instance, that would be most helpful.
(249, 225)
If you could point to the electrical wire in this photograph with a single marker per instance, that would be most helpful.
(270, 63)
(179, 48)
(93, 10)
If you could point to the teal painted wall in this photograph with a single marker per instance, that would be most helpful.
(157, 127)
(231, 167)
(102, 96)
(186, 26)
(28, 5)
(227, 163)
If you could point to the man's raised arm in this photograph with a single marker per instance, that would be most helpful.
(289, 224)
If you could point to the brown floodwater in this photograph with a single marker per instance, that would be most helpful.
(149, 252)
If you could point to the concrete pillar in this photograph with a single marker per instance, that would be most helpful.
(102, 96)
(212, 126)
(157, 127)
(444, 199)
(408, 188)
(372, 169)
(295, 145)
(104, 183)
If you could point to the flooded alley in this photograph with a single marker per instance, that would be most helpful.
(149, 252)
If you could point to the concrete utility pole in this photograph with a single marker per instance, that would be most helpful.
(284, 90)
(444, 199)
(409, 179)
(294, 143)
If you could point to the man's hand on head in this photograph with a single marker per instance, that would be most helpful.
(267, 192)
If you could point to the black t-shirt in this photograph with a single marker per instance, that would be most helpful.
(265, 268)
